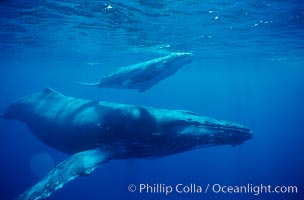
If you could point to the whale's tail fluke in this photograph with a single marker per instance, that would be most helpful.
(88, 84)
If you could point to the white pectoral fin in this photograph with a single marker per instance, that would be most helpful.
(82, 163)
(89, 84)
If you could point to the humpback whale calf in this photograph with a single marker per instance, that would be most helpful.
(143, 76)
(96, 132)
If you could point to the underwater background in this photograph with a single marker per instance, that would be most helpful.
(248, 68)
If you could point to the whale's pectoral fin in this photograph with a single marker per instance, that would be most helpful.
(89, 84)
(82, 163)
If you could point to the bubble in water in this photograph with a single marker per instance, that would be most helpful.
(41, 164)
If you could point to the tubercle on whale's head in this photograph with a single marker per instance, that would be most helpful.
(231, 133)
(219, 134)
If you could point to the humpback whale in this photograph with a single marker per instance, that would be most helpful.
(97, 132)
(143, 76)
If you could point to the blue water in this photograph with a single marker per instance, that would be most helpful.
(248, 68)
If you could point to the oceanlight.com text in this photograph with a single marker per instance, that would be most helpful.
(254, 189)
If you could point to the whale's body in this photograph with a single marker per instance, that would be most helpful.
(143, 76)
(96, 132)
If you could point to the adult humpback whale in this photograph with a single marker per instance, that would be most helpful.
(143, 76)
(96, 132)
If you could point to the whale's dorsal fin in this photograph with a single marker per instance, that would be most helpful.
(79, 164)
(49, 90)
